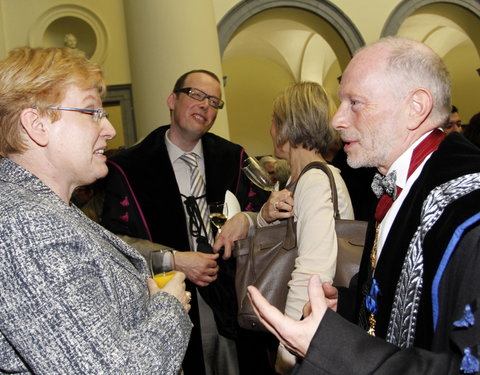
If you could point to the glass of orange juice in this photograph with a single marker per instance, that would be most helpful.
(163, 265)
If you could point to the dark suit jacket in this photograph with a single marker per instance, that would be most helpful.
(142, 199)
(144, 175)
(342, 348)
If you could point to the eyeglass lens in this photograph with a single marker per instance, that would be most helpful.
(200, 95)
(100, 114)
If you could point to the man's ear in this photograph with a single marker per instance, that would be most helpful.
(421, 104)
(34, 126)
(171, 101)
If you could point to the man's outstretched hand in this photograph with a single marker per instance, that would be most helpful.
(295, 335)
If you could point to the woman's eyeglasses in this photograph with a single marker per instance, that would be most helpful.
(97, 114)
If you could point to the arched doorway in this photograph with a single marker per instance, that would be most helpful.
(266, 45)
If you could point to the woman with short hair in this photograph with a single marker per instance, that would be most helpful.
(301, 134)
(75, 298)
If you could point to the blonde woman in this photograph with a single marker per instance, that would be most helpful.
(75, 298)
(301, 134)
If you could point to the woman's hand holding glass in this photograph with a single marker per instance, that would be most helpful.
(278, 206)
(175, 286)
(163, 265)
(166, 279)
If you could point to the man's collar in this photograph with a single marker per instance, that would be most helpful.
(402, 164)
(175, 152)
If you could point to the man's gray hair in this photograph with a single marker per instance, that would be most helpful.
(418, 66)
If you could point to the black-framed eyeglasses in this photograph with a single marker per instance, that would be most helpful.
(97, 114)
(200, 96)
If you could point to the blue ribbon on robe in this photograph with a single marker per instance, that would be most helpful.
(371, 300)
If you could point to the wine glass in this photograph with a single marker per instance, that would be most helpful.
(257, 174)
(162, 266)
(218, 214)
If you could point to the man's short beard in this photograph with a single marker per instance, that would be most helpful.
(360, 163)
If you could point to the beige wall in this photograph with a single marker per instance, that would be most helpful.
(253, 88)
(464, 95)
(369, 16)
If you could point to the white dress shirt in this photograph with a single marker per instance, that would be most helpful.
(401, 166)
(183, 173)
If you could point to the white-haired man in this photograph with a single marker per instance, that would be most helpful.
(418, 287)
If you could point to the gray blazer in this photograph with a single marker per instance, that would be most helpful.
(73, 296)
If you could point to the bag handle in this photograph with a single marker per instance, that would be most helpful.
(291, 236)
(324, 167)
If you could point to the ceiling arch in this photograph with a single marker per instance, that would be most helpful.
(457, 16)
(292, 38)
(339, 25)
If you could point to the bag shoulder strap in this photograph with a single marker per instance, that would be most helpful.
(291, 238)
(333, 187)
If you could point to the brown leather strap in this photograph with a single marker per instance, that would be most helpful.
(291, 237)
(324, 167)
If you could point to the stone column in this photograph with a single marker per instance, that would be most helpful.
(167, 38)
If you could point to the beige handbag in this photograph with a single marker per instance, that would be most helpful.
(266, 259)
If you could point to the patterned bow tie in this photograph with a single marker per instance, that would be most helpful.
(385, 185)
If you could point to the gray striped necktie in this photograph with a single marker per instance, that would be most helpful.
(197, 189)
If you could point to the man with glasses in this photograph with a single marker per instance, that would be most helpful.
(158, 190)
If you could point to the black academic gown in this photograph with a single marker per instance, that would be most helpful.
(142, 200)
(340, 347)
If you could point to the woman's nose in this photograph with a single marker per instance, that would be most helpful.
(108, 130)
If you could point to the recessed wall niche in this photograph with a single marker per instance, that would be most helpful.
(73, 26)
(71, 32)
